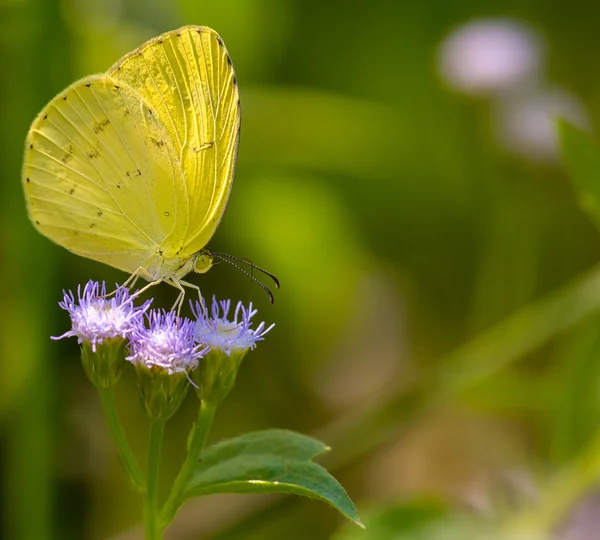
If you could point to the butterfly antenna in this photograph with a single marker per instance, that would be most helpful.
(244, 271)
(228, 258)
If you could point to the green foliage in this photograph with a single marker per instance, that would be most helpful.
(271, 461)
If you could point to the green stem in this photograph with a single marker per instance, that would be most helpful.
(107, 398)
(151, 523)
(196, 441)
(563, 492)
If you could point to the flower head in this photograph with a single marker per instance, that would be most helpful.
(218, 332)
(229, 341)
(167, 343)
(163, 354)
(94, 317)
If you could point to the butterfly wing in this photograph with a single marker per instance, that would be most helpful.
(187, 76)
(101, 175)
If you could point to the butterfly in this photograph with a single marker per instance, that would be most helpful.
(134, 167)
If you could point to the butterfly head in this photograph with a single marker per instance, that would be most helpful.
(202, 262)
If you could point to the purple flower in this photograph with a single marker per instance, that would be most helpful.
(167, 343)
(94, 317)
(218, 332)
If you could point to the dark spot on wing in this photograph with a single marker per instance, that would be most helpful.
(31, 146)
(99, 213)
(88, 84)
(156, 142)
(37, 222)
(64, 98)
(119, 186)
(220, 41)
(131, 174)
(229, 60)
(149, 111)
(167, 214)
(235, 80)
(69, 155)
(116, 86)
(92, 154)
(45, 116)
(126, 113)
(71, 191)
(160, 252)
(27, 180)
(99, 126)
(92, 225)
(160, 40)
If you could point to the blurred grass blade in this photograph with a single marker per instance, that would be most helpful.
(581, 156)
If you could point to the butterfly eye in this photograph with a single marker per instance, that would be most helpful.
(202, 262)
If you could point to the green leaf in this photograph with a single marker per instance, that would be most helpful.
(271, 461)
(582, 160)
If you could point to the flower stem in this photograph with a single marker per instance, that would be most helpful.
(196, 441)
(151, 523)
(107, 398)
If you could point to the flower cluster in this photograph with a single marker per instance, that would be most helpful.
(164, 348)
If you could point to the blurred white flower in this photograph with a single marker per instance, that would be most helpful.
(490, 56)
(526, 123)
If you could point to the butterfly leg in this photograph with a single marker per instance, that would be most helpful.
(145, 288)
(131, 280)
(202, 303)
(179, 284)
(181, 297)
(128, 284)
(192, 286)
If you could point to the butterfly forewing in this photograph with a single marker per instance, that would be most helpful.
(187, 76)
(102, 176)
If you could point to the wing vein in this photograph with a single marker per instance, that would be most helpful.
(161, 98)
(216, 142)
(137, 126)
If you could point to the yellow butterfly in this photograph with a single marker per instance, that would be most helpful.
(134, 167)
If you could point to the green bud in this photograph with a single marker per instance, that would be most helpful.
(216, 373)
(162, 393)
(104, 365)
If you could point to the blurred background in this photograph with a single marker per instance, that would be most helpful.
(439, 318)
